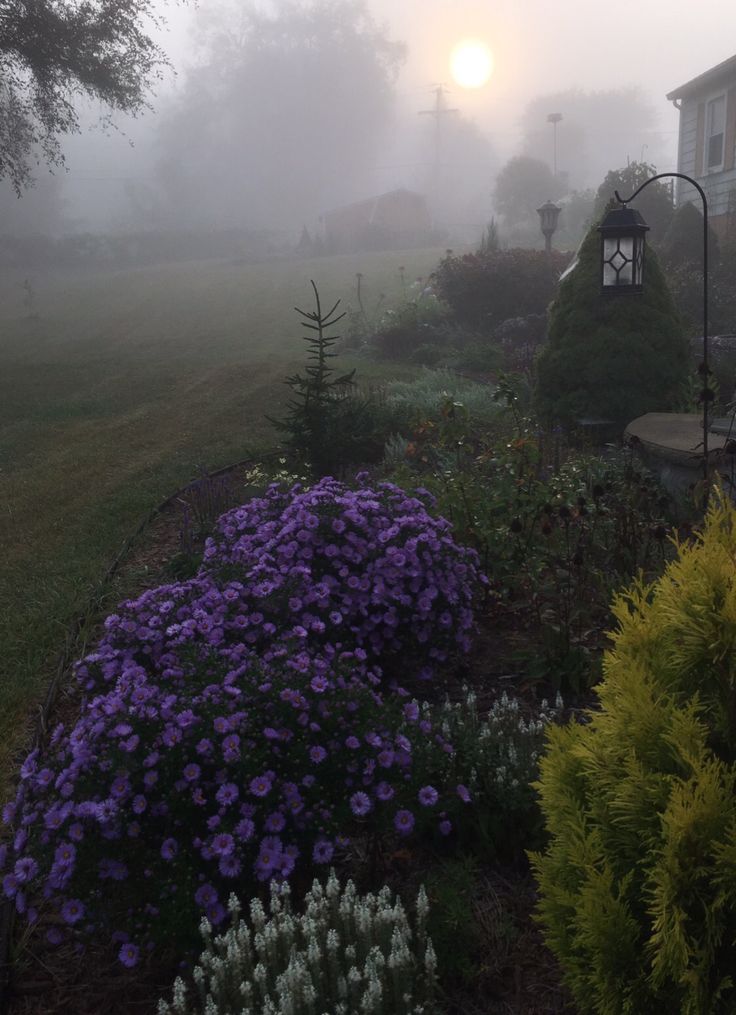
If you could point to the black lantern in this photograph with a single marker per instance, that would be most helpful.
(548, 215)
(623, 238)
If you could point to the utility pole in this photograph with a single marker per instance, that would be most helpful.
(440, 111)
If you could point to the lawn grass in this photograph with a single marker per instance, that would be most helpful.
(111, 397)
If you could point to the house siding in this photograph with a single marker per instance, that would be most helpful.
(719, 187)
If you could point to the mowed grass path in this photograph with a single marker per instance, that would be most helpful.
(110, 399)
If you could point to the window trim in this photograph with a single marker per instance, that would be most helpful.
(708, 170)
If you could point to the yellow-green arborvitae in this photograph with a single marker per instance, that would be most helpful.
(638, 884)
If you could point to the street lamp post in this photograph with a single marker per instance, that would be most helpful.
(622, 272)
(554, 119)
(548, 215)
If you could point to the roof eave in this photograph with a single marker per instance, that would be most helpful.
(702, 81)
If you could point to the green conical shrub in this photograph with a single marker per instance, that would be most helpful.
(638, 884)
(611, 357)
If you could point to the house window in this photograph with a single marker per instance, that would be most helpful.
(715, 132)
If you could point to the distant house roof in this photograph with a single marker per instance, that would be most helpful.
(372, 205)
(706, 80)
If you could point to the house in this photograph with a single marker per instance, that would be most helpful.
(399, 218)
(707, 143)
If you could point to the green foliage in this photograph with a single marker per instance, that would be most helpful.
(329, 423)
(522, 185)
(348, 954)
(557, 532)
(655, 203)
(683, 241)
(489, 241)
(50, 51)
(456, 935)
(496, 758)
(412, 402)
(612, 357)
(685, 279)
(575, 219)
(485, 290)
(417, 323)
(638, 885)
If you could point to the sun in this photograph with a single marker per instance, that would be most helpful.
(471, 63)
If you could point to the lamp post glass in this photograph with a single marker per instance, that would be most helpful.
(623, 239)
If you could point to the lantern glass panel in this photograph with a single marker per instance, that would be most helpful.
(618, 261)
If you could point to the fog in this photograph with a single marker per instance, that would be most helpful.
(273, 116)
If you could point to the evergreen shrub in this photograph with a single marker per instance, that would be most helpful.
(638, 884)
(611, 357)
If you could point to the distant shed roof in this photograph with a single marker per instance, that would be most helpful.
(707, 79)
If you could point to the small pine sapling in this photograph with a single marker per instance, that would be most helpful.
(314, 408)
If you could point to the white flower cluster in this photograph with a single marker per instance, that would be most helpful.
(348, 954)
(501, 749)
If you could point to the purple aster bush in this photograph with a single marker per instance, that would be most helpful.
(367, 568)
(237, 725)
(257, 775)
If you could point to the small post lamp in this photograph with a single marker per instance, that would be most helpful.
(623, 239)
(623, 232)
(548, 215)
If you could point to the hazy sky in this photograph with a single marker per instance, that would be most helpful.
(539, 47)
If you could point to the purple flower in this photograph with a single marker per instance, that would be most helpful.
(205, 896)
(75, 832)
(191, 772)
(72, 911)
(428, 796)
(222, 844)
(139, 804)
(230, 866)
(65, 854)
(260, 786)
(266, 864)
(445, 827)
(317, 754)
(245, 829)
(323, 851)
(360, 804)
(26, 868)
(384, 791)
(404, 822)
(227, 794)
(215, 913)
(169, 849)
(275, 821)
(352, 742)
(464, 793)
(10, 885)
(231, 747)
(129, 954)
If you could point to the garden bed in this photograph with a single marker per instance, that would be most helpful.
(506, 969)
